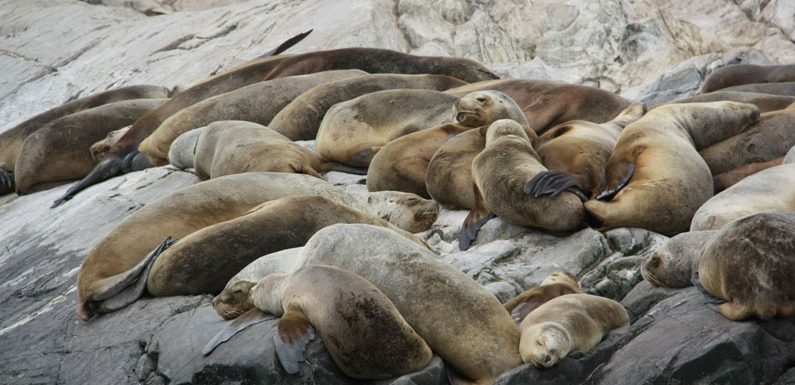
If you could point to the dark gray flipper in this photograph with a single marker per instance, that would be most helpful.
(287, 44)
(291, 354)
(551, 183)
(346, 169)
(105, 170)
(7, 184)
(609, 194)
(711, 299)
(134, 161)
(477, 217)
(249, 318)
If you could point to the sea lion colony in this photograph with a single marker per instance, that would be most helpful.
(536, 153)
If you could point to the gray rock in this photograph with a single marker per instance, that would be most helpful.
(642, 297)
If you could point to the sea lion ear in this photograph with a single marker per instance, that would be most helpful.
(294, 334)
(249, 318)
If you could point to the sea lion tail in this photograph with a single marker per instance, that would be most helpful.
(609, 194)
(287, 44)
(7, 184)
(105, 170)
(249, 318)
(552, 183)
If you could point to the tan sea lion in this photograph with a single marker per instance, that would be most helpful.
(556, 284)
(771, 189)
(11, 139)
(548, 103)
(449, 175)
(750, 265)
(58, 152)
(784, 89)
(771, 137)
(204, 260)
(569, 323)
(257, 103)
(739, 74)
(673, 263)
(401, 165)
(363, 331)
(655, 178)
(764, 102)
(729, 178)
(233, 147)
(116, 261)
(301, 119)
(352, 132)
(501, 173)
(581, 149)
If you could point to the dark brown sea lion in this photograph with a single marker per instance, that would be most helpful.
(765, 102)
(739, 74)
(784, 89)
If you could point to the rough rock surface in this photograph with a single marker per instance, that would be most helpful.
(652, 50)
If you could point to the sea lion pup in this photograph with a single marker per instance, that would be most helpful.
(765, 102)
(256, 103)
(580, 149)
(739, 74)
(301, 119)
(655, 178)
(766, 140)
(750, 265)
(548, 103)
(401, 165)
(771, 189)
(118, 259)
(674, 262)
(501, 172)
(11, 140)
(556, 284)
(784, 89)
(569, 323)
(59, 151)
(233, 147)
(727, 179)
(203, 261)
(352, 132)
(363, 331)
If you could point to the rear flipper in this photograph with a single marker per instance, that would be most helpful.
(295, 332)
(552, 183)
(108, 168)
(135, 161)
(6, 182)
(477, 217)
(125, 288)
(249, 318)
(609, 194)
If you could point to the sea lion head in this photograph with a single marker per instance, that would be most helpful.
(267, 294)
(544, 344)
(408, 211)
(673, 263)
(467, 70)
(505, 127)
(234, 300)
(561, 276)
(481, 108)
(99, 149)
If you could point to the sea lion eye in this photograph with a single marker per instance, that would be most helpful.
(482, 99)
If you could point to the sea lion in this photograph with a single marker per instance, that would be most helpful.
(764, 102)
(363, 331)
(655, 178)
(415, 280)
(58, 152)
(501, 172)
(729, 178)
(111, 265)
(233, 147)
(750, 265)
(771, 137)
(556, 284)
(771, 189)
(449, 175)
(401, 165)
(548, 103)
(256, 103)
(739, 74)
(13, 138)
(204, 260)
(352, 132)
(581, 149)
(784, 89)
(301, 119)
(674, 262)
(569, 323)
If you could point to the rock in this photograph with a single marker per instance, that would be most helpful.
(642, 297)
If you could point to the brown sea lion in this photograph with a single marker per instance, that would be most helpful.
(233, 147)
(352, 132)
(569, 323)
(449, 175)
(257, 103)
(548, 103)
(739, 74)
(401, 165)
(301, 119)
(581, 149)
(363, 331)
(764, 102)
(750, 265)
(11, 139)
(556, 284)
(771, 137)
(729, 178)
(58, 152)
(784, 89)
(655, 178)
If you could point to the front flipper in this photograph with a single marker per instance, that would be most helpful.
(287, 44)
(609, 194)
(6, 182)
(105, 170)
(477, 217)
(249, 318)
(295, 332)
(552, 183)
